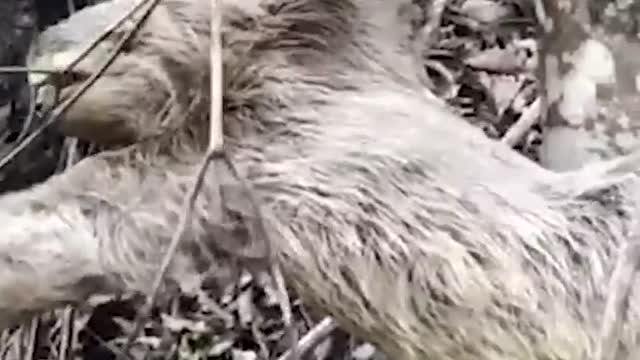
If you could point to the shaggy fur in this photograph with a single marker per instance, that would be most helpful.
(388, 212)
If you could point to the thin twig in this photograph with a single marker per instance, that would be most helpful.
(110, 30)
(217, 157)
(216, 135)
(25, 69)
(173, 246)
(107, 344)
(18, 344)
(32, 338)
(72, 152)
(66, 334)
(216, 140)
(4, 344)
(528, 118)
(620, 284)
(285, 308)
(216, 145)
(30, 116)
(312, 338)
(67, 328)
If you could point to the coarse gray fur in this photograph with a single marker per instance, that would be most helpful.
(387, 211)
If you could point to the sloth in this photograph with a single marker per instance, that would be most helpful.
(384, 209)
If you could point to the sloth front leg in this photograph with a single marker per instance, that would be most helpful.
(101, 227)
(48, 253)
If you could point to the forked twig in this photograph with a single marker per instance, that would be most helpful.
(217, 156)
(25, 69)
(541, 16)
(216, 148)
(216, 142)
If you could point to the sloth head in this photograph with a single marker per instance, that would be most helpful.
(159, 81)
(146, 78)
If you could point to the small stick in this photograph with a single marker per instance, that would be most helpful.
(216, 147)
(285, 307)
(32, 338)
(216, 135)
(527, 119)
(67, 330)
(541, 15)
(173, 247)
(110, 30)
(312, 338)
(217, 157)
(84, 53)
(32, 114)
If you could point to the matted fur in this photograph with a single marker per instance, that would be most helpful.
(388, 212)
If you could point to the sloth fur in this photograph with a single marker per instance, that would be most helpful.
(386, 211)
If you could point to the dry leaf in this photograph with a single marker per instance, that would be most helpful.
(484, 10)
(496, 59)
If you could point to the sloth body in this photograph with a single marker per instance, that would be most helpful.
(386, 210)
